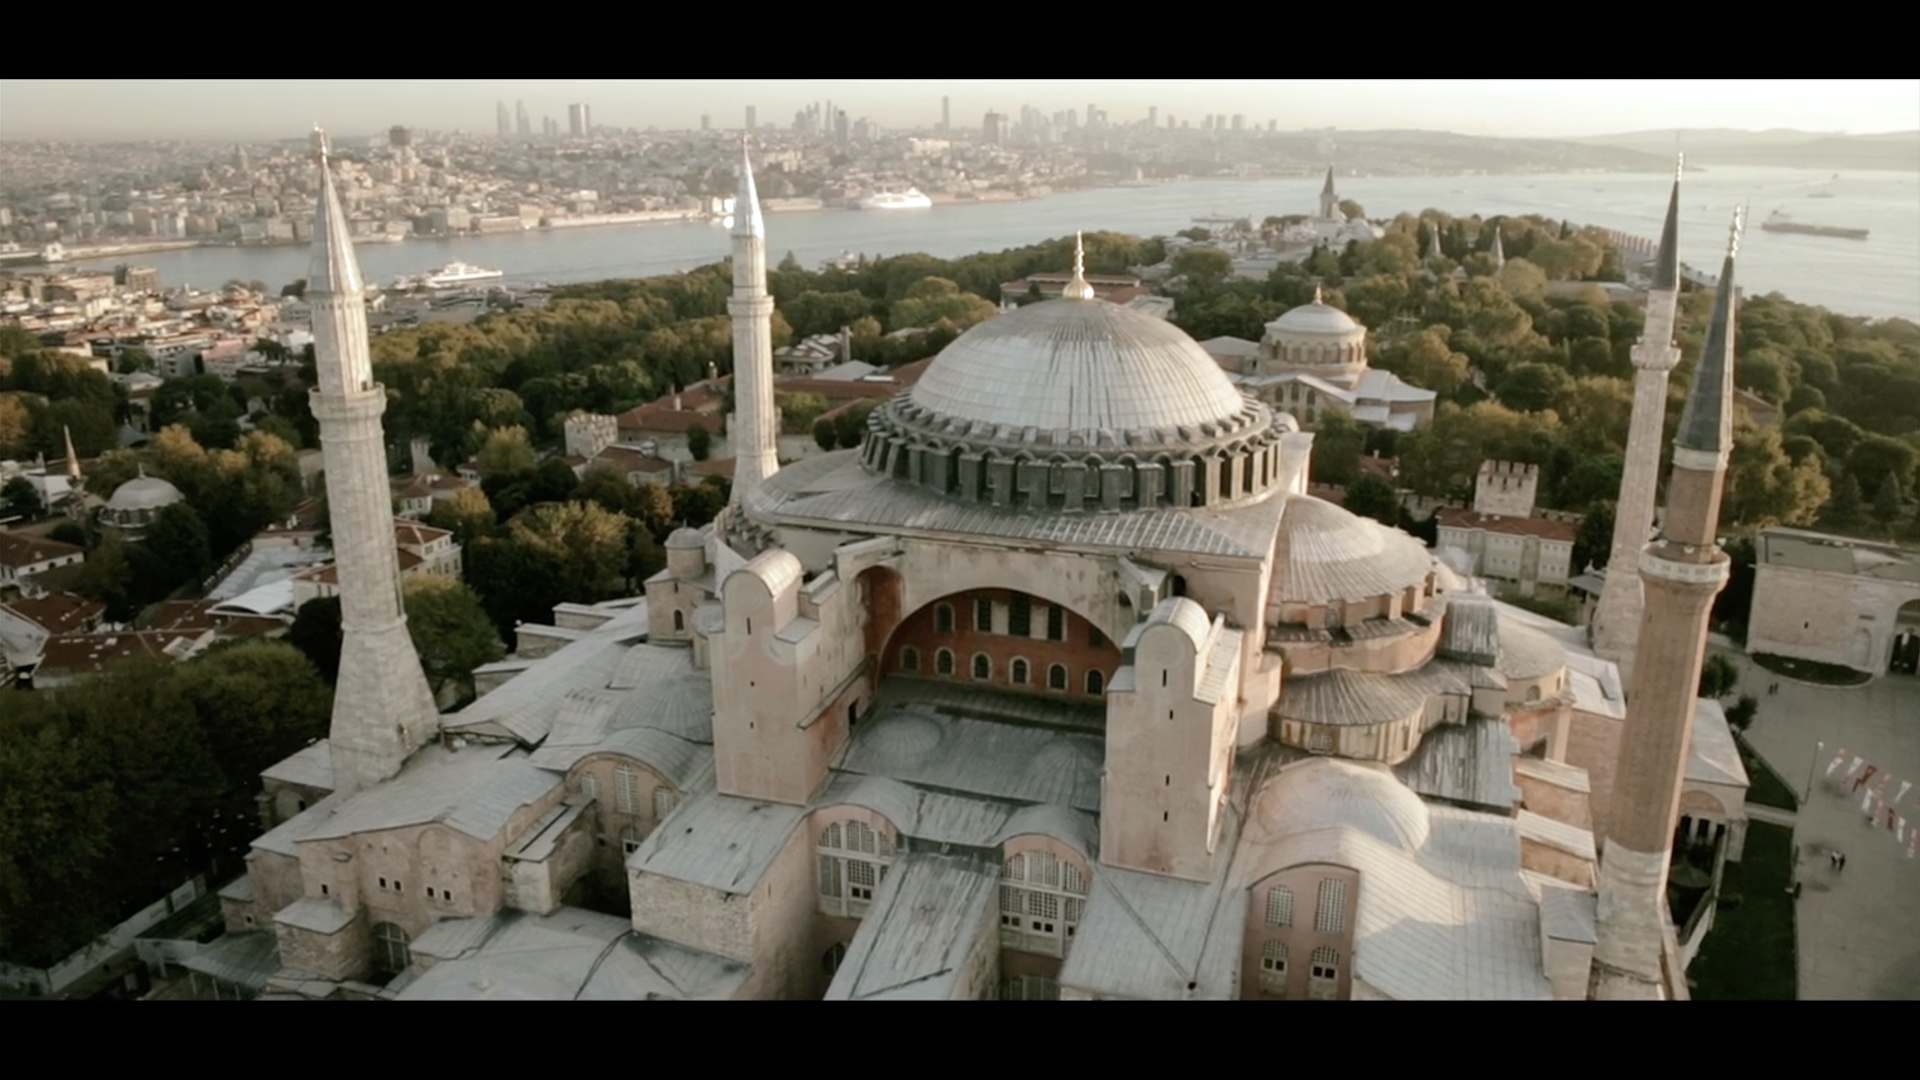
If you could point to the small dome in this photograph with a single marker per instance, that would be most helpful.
(1315, 318)
(1078, 365)
(904, 738)
(1527, 653)
(686, 538)
(1325, 793)
(143, 493)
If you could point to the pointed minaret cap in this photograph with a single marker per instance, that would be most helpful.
(1499, 251)
(746, 204)
(73, 459)
(1666, 264)
(332, 268)
(1327, 189)
(1706, 424)
(1316, 295)
(1078, 289)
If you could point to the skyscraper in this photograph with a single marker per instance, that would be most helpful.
(1681, 572)
(1616, 621)
(502, 121)
(1153, 116)
(524, 123)
(382, 708)
(752, 310)
(996, 127)
(576, 120)
(946, 114)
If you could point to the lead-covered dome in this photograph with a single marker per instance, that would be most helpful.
(1080, 405)
(1076, 365)
(1315, 318)
(148, 493)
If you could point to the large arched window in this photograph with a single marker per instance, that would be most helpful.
(1330, 912)
(630, 838)
(853, 862)
(1018, 671)
(1096, 682)
(392, 949)
(983, 614)
(1324, 985)
(679, 621)
(1280, 907)
(982, 666)
(627, 789)
(1057, 677)
(665, 799)
(1020, 615)
(1029, 988)
(1056, 623)
(910, 659)
(943, 662)
(1041, 901)
(943, 618)
(1273, 968)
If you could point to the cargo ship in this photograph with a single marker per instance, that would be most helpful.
(1779, 222)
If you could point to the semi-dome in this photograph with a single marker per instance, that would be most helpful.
(1077, 365)
(685, 537)
(144, 492)
(1325, 553)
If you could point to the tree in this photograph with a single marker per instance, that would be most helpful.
(450, 631)
(1764, 487)
(507, 452)
(15, 424)
(1374, 496)
(1593, 541)
(1520, 277)
(553, 480)
(1353, 210)
(1533, 387)
(1430, 363)
(825, 434)
(933, 300)
(22, 497)
(466, 514)
(1203, 266)
(851, 425)
(107, 576)
(699, 442)
(1887, 505)
(1336, 450)
(316, 633)
(1741, 713)
(1718, 676)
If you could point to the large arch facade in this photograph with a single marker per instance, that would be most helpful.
(1004, 639)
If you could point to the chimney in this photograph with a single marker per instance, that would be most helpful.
(676, 402)
(713, 377)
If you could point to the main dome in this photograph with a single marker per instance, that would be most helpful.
(1077, 365)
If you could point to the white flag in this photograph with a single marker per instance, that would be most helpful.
(1858, 761)
(1904, 785)
(1866, 802)
(1900, 834)
(1839, 756)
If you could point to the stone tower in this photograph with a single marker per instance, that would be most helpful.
(755, 444)
(1329, 201)
(382, 709)
(1682, 571)
(1616, 622)
(1499, 251)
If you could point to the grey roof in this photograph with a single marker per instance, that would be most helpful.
(1526, 653)
(473, 791)
(320, 914)
(240, 888)
(1706, 423)
(543, 839)
(1318, 318)
(1079, 367)
(941, 817)
(246, 959)
(1149, 937)
(1077, 830)
(568, 955)
(1571, 839)
(1326, 553)
(310, 766)
(927, 918)
(1714, 757)
(718, 841)
(1666, 265)
(943, 747)
(1802, 549)
(836, 491)
(284, 838)
(144, 492)
(658, 710)
(1559, 774)
(1230, 346)
(522, 708)
(1343, 698)
(1468, 764)
(1567, 912)
(1470, 631)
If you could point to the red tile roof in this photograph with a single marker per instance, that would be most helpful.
(1459, 518)
(83, 654)
(59, 613)
(25, 549)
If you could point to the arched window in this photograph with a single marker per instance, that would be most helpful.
(1057, 677)
(1325, 984)
(1020, 615)
(943, 618)
(1096, 682)
(983, 614)
(590, 785)
(630, 838)
(1056, 623)
(1330, 913)
(392, 949)
(982, 666)
(627, 789)
(1019, 672)
(1280, 907)
(909, 659)
(943, 662)
(853, 862)
(1041, 901)
(664, 801)
(679, 621)
(1533, 692)
(1273, 968)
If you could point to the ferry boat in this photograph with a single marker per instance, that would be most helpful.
(910, 199)
(1781, 223)
(448, 276)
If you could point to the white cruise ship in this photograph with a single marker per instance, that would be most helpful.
(911, 199)
(448, 276)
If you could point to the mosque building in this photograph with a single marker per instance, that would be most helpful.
(914, 720)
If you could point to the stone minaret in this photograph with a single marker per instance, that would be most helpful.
(1682, 571)
(1329, 202)
(1616, 622)
(758, 418)
(1499, 252)
(382, 709)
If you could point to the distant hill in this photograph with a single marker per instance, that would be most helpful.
(1777, 146)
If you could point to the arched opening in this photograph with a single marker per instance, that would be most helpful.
(910, 659)
(1057, 677)
(392, 949)
(1004, 638)
(982, 666)
(1904, 654)
(679, 622)
(1018, 671)
(831, 959)
(943, 662)
(1096, 683)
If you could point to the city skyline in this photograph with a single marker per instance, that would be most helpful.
(275, 109)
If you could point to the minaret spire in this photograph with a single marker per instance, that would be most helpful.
(1499, 252)
(382, 708)
(1329, 200)
(1077, 288)
(1616, 620)
(755, 440)
(1681, 573)
(73, 459)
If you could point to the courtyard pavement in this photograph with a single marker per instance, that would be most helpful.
(1859, 937)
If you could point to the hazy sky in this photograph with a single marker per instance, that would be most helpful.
(275, 109)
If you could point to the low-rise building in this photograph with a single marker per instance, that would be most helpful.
(1857, 602)
(1502, 536)
(24, 555)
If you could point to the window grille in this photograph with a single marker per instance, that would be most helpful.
(1057, 677)
(943, 662)
(910, 659)
(983, 615)
(629, 794)
(943, 618)
(1020, 616)
(1273, 967)
(1280, 906)
(1330, 914)
(1019, 672)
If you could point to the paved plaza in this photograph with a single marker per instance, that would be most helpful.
(1859, 928)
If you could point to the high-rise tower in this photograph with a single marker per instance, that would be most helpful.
(1681, 571)
(755, 441)
(1616, 621)
(503, 124)
(382, 709)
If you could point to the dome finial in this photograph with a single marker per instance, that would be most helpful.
(318, 143)
(1078, 289)
(1316, 295)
